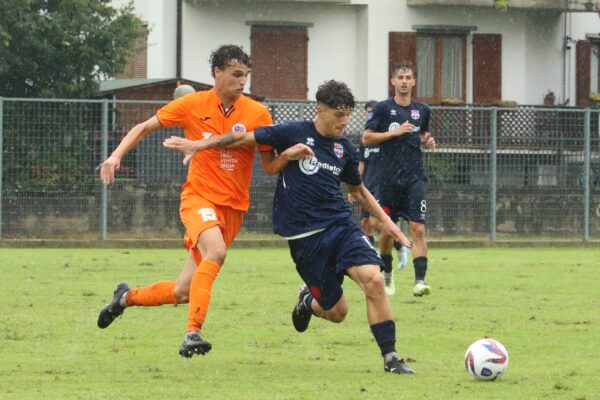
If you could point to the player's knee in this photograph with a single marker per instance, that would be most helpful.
(336, 315)
(181, 293)
(217, 254)
(418, 231)
(374, 285)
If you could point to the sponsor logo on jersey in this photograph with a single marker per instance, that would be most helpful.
(239, 127)
(311, 166)
(310, 141)
(393, 125)
(206, 135)
(369, 150)
(338, 149)
(414, 114)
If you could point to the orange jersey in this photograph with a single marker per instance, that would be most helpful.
(220, 175)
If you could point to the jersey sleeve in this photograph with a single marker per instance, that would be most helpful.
(265, 120)
(361, 153)
(425, 124)
(174, 113)
(374, 120)
(350, 174)
(276, 136)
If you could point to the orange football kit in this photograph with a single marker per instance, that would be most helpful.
(216, 191)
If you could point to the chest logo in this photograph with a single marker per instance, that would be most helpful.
(338, 149)
(239, 127)
(393, 112)
(311, 166)
(393, 125)
(310, 141)
(414, 114)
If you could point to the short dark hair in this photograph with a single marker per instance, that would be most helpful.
(225, 54)
(335, 94)
(370, 104)
(404, 65)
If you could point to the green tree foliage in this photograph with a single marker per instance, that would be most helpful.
(61, 48)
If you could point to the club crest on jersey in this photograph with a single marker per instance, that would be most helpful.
(239, 127)
(414, 114)
(310, 141)
(338, 150)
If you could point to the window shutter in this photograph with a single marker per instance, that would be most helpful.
(137, 67)
(280, 57)
(402, 47)
(487, 68)
(583, 74)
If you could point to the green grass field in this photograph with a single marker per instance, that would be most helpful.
(542, 304)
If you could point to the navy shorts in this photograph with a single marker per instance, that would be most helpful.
(323, 258)
(406, 201)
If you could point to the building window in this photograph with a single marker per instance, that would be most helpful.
(441, 67)
(280, 56)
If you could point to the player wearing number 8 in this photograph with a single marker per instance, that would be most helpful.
(214, 196)
(400, 126)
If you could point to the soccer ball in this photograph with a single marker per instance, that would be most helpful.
(486, 359)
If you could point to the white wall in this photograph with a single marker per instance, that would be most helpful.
(525, 47)
(161, 17)
(334, 48)
(349, 42)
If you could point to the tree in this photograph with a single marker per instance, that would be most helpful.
(62, 48)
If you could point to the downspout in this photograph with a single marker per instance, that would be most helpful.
(178, 40)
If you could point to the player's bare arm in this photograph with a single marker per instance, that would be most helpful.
(133, 137)
(273, 165)
(428, 140)
(190, 147)
(370, 137)
(366, 200)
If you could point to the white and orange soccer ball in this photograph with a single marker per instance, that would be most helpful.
(486, 359)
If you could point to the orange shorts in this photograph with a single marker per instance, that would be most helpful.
(199, 214)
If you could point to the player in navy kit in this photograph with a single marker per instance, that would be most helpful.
(400, 126)
(309, 210)
(370, 172)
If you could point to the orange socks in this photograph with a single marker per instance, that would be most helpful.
(200, 290)
(157, 294)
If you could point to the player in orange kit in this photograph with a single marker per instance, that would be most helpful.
(214, 196)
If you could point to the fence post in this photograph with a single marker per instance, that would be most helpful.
(586, 173)
(1, 151)
(493, 176)
(104, 197)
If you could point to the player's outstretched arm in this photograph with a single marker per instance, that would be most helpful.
(370, 137)
(273, 165)
(133, 137)
(190, 147)
(366, 200)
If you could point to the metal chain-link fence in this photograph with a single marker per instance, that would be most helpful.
(521, 172)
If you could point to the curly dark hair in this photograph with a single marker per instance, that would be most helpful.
(225, 54)
(335, 94)
(403, 65)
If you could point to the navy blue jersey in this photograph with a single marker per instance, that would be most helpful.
(401, 157)
(371, 156)
(308, 195)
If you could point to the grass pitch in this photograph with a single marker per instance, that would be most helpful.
(542, 304)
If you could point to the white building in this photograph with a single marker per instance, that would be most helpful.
(463, 49)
